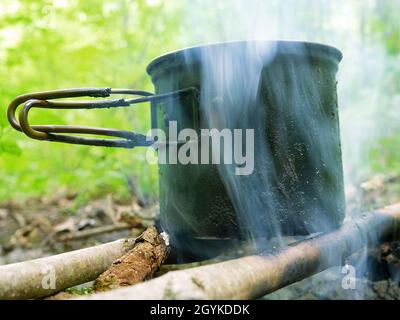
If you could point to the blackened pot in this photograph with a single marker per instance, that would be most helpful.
(286, 92)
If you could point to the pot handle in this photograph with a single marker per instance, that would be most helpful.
(52, 132)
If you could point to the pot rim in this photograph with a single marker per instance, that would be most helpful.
(281, 45)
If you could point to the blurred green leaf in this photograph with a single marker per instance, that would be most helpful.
(10, 147)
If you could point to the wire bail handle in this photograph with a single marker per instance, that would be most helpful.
(45, 99)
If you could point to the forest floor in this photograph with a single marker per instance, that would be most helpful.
(49, 225)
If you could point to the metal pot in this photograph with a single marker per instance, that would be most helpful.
(290, 101)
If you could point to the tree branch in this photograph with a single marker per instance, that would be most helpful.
(45, 276)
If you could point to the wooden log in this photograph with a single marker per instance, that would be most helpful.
(137, 265)
(79, 235)
(254, 276)
(46, 276)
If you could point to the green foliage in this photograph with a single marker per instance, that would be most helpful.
(384, 28)
(47, 45)
(385, 25)
(80, 291)
(385, 155)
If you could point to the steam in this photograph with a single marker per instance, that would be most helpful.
(361, 85)
(231, 82)
(231, 91)
(273, 88)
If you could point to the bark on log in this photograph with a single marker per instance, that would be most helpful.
(45, 276)
(254, 276)
(137, 265)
